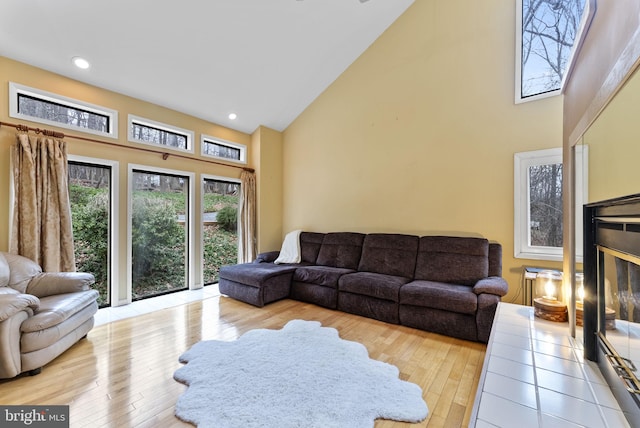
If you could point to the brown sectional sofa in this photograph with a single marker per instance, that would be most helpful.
(444, 284)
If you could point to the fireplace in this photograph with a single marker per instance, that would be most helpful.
(612, 296)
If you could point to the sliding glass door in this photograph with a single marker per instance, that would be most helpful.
(219, 225)
(90, 192)
(159, 233)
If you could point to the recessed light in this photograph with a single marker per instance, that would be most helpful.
(80, 62)
(233, 116)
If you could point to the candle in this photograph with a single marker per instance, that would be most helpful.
(549, 290)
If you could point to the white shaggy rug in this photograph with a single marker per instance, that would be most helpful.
(302, 376)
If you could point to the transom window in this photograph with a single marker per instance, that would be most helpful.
(52, 109)
(545, 33)
(148, 131)
(221, 149)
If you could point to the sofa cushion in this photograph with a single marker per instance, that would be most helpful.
(310, 243)
(341, 250)
(253, 274)
(439, 295)
(371, 284)
(390, 254)
(55, 309)
(41, 339)
(22, 270)
(451, 259)
(320, 275)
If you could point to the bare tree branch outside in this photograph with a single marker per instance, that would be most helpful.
(549, 28)
(545, 205)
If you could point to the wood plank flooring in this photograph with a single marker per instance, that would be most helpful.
(121, 375)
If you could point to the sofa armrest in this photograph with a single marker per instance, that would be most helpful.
(268, 257)
(52, 283)
(11, 304)
(17, 308)
(492, 285)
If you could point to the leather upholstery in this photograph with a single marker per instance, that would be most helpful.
(52, 283)
(21, 270)
(42, 314)
(11, 304)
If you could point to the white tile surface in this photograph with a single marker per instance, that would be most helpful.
(549, 421)
(534, 375)
(511, 389)
(505, 413)
(572, 409)
(513, 353)
(558, 365)
(514, 340)
(568, 385)
(514, 369)
(550, 348)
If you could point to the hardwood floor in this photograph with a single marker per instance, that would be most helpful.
(121, 375)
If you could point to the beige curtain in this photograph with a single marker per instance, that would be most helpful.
(247, 218)
(41, 228)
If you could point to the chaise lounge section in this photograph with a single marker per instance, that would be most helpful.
(444, 284)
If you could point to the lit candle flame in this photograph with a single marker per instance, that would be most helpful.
(549, 290)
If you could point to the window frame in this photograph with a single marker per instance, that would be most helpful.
(114, 225)
(585, 21)
(203, 178)
(189, 224)
(518, 80)
(522, 161)
(209, 139)
(162, 126)
(15, 89)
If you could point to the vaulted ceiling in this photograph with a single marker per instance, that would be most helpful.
(265, 60)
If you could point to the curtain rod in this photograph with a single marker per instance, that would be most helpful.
(165, 155)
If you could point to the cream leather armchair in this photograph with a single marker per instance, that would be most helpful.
(42, 314)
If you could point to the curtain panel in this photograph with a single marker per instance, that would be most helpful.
(247, 218)
(41, 225)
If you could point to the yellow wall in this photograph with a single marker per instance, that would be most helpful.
(43, 80)
(418, 135)
(267, 156)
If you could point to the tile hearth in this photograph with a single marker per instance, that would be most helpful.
(534, 375)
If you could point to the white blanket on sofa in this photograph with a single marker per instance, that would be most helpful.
(290, 251)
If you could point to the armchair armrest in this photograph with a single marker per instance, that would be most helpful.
(52, 283)
(268, 257)
(492, 285)
(11, 304)
(14, 310)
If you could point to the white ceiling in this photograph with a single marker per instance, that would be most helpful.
(265, 60)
